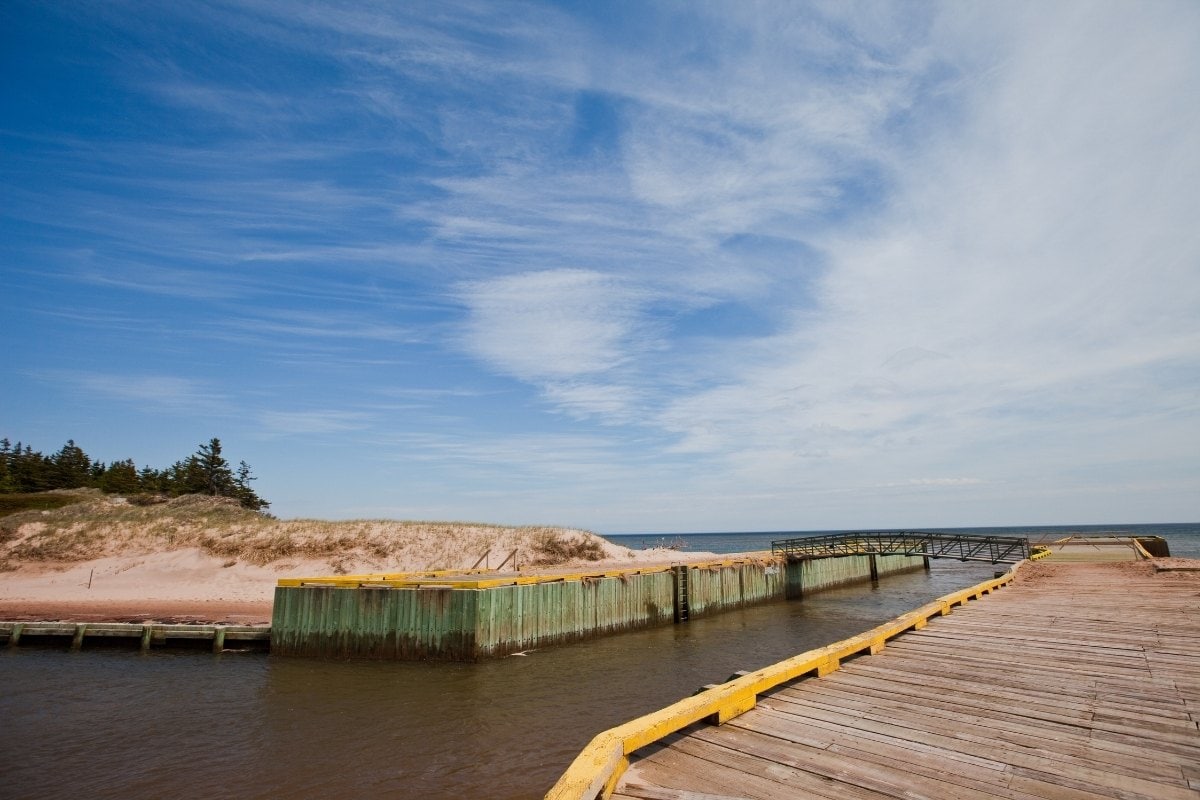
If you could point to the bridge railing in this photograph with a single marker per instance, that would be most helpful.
(964, 547)
(596, 770)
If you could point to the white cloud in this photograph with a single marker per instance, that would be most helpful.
(611, 402)
(314, 422)
(553, 324)
(1035, 263)
(957, 239)
(154, 392)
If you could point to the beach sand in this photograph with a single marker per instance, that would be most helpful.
(188, 585)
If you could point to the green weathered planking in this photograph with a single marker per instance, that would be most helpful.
(466, 624)
(405, 624)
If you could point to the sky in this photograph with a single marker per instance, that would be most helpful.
(625, 266)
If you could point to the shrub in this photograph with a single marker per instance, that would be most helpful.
(554, 548)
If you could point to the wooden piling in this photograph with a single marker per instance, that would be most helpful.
(447, 616)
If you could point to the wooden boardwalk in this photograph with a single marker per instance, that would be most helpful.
(1080, 681)
(144, 635)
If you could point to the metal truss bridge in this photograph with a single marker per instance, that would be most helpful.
(994, 549)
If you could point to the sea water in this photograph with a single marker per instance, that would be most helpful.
(1182, 538)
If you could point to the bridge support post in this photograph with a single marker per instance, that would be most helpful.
(874, 569)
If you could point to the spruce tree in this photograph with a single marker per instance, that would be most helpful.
(246, 496)
(209, 473)
(72, 469)
(31, 470)
(6, 479)
(150, 480)
(121, 477)
(205, 472)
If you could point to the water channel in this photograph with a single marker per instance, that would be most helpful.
(109, 723)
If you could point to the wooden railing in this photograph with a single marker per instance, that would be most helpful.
(595, 771)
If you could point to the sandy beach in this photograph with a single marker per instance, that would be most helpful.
(205, 559)
(189, 585)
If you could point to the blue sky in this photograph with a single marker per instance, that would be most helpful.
(624, 266)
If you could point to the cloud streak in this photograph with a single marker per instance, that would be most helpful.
(780, 261)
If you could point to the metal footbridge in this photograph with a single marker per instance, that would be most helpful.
(964, 547)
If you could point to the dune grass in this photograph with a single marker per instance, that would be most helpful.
(93, 526)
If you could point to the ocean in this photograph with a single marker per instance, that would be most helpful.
(1183, 538)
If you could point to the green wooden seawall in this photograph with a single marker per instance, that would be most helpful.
(466, 617)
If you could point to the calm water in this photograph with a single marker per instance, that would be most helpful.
(117, 724)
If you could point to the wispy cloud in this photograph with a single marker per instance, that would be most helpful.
(1015, 277)
(329, 325)
(774, 258)
(149, 392)
(552, 324)
(300, 423)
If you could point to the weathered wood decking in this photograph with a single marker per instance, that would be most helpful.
(1083, 684)
(144, 635)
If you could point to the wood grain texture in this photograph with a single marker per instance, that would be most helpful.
(1081, 682)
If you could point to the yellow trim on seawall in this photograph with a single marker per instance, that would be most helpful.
(461, 579)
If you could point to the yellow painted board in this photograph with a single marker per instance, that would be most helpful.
(454, 578)
(593, 770)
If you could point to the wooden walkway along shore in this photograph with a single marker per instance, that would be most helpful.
(144, 635)
(1080, 681)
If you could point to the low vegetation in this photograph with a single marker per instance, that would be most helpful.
(553, 547)
(82, 525)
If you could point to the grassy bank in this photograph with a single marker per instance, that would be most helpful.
(68, 527)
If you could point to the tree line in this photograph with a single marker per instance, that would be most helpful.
(23, 469)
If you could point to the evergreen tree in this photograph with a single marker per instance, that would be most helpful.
(209, 473)
(6, 479)
(71, 467)
(22, 469)
(150, 480)
(121, 477)
(30, 471)
(245, 494)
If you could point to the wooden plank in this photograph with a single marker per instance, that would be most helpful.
(950, 733)
(639, 791)
(1082, 688)
(685, 771)
(1068, 710)
(783, 724)
(833, 766)
(1136, 750)
(933, 743)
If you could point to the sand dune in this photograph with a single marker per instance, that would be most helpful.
(207, 559)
